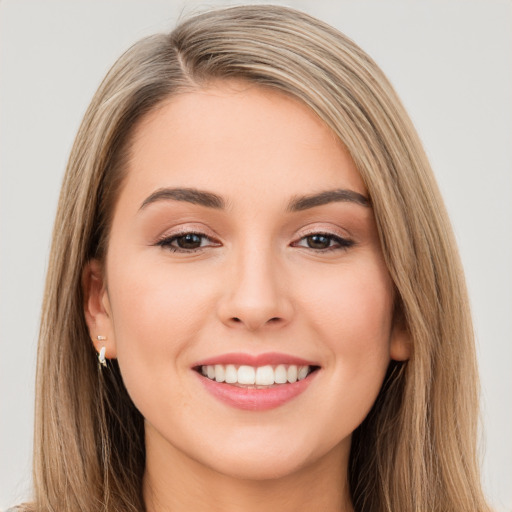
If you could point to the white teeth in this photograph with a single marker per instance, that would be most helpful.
(256, 376)
(303, 372)
(220, 373)
(265, 376)
(292, 373)
(246, 375)
(231, 374)
(281, 374)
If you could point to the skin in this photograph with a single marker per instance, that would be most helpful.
(255, 285)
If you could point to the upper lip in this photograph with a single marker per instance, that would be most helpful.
(268, 358)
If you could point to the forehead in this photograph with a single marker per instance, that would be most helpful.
(233, 137)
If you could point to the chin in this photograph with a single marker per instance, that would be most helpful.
(266, 466)
(262, 460)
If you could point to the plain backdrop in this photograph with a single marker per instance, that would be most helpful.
(451, 63)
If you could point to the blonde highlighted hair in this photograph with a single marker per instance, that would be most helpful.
(416, 450)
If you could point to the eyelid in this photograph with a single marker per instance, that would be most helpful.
(167, 243)
(344, 241)
(186, 229)
(167, 240)
(173, 236)
(322, 229)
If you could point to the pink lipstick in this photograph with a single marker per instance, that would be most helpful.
(255, 382)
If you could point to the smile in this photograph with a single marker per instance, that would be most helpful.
(256, 382)
(258, 377)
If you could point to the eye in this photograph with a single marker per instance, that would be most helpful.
(324, 242)
(186, 242)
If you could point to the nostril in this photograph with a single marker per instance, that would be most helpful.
(272, 320)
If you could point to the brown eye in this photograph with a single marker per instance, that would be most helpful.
(189, 241)
(318, 241)
(324, 242)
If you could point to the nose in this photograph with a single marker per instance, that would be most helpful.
(256, 295)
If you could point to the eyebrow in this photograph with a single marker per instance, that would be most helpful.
(211, 200)
(300, 203)
(189, 195)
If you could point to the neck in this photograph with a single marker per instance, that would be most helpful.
(173, 482)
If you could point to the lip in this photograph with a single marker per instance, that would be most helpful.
(268, 358)
(254, 399)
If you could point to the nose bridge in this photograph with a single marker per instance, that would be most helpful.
(255, 292)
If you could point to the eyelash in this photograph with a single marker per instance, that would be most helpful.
(340, 242)
(168, 240)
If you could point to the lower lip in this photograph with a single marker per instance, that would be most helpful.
(252, 399)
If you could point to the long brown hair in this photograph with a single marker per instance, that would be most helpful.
(416, 450)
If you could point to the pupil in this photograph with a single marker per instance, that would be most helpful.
(318, 241)
(189, 241)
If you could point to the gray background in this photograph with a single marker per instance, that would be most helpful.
(450, 61)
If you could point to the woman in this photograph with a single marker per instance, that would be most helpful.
(250, 239)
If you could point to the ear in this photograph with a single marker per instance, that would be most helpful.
(98, 315)
(401, 347)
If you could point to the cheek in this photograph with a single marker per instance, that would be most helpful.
(156, 302)
(352, 316)
(352, 306)
(157, 312)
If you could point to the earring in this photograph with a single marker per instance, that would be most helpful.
(101, 355)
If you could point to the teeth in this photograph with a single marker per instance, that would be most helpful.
(281, 374)
(260, 376)
(303, 372)
(292, 373)
(246, 375)
(265, 376)
(220, 373)
(231, 374)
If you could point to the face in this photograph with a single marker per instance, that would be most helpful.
(244, 292)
